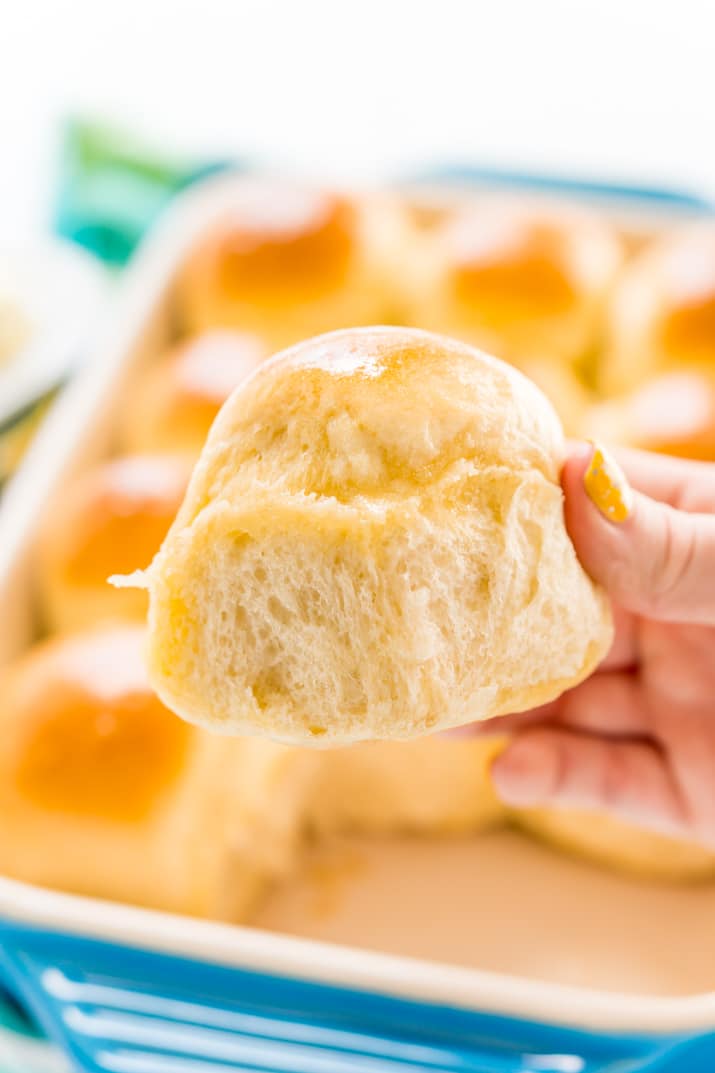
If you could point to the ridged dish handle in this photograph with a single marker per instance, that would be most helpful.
(116, 1009)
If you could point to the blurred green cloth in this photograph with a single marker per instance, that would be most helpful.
(22, 1050)
(112, 186)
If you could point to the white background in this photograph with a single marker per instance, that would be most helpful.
(611, 88)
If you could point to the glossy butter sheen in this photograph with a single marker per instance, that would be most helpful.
(88, 736)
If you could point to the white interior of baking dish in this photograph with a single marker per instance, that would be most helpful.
(548, 936)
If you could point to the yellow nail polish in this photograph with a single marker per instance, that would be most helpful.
(607, 487)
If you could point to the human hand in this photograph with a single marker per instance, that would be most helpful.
(637, 739)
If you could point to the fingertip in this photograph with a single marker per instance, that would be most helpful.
(581, 516)
(591, 488)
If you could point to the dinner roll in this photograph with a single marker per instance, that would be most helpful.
(373, 546)
(521, 280)
(174, 404)
(672, 413)
(663, 310)
(610, 842)
(112, 518)
(289, 260)
(104, 792)
(429, 786)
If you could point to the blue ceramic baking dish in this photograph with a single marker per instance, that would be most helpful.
(126, 990)
(129, 991)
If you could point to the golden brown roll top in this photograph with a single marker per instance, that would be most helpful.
(174, 404)
(522, 281)
(663, 311)
(111, 519)
(104, 792)
(87, 736)
(92, 771)
(288, 261)
(373, 546)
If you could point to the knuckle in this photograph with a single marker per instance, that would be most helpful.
(623, 577)
(697, 493)
(670, 570)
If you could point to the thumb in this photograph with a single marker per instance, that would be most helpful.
(651, 559)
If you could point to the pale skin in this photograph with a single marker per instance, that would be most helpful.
(636, 739)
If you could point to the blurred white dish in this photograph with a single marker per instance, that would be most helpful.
(54, 294)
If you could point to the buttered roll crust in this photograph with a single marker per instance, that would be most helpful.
(373, 546)
(175, 401)
(111, 519)
(524, 281)
(104, 792)
(662, 316)
(288, 260)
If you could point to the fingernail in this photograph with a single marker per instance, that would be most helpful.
(606, 485)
